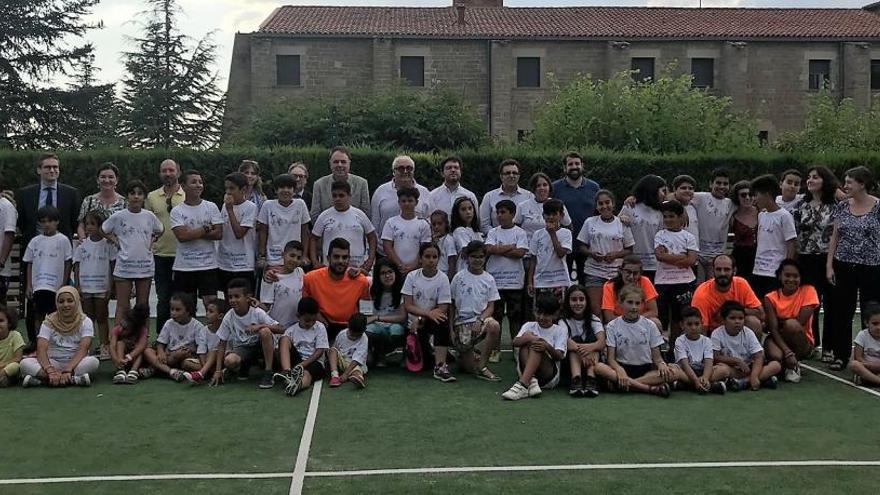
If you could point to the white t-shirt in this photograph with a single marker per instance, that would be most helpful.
(556, 335)
(605, 237)
(632, 342)
(353, 350)
(694, 350)
(199, 254)
(176, 336)
(206, 341)
(306, 341)
(530, 216)
(407, 236)
(447, 249)
(351, 225)
(384, 204)
(509, 272)
(743, 345)
(792, 205)
(63, 347)
(283, 224)
(714, 218)
(462, 236)
(869, 345)
(8, 219)
(472, 294)
(94, 265)
(427, 292)
(645, 223)
(386, 304)
(135, 234)
(550, 269)
(47, 256)
(774, 229)
(693, 225)
(234, 327)
(577, 329)
(442, 198)
(284, 297)
(676, 243)
(234, 254)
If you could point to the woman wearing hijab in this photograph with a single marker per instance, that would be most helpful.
(62, 346)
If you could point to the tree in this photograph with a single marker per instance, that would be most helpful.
(665, 115)
(170, 92)
(35, 45)
(834, 126)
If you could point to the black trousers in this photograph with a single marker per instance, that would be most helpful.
(853, 283)
(164, 289)
(813, 273)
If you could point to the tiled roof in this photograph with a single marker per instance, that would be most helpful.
(575, 22)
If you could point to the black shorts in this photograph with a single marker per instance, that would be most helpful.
(201, 283)
(44, 302)
(316, 369)
(224, 277)
(763, 285)
(636, 370)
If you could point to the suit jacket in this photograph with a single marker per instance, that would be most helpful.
(27, 201)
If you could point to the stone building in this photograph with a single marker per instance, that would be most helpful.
(501, 59)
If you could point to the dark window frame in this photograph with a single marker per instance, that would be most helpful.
(292, 76)
(815, 71)
(528, 75)
(411, 74)
(704, 77)
(875, 74)
(642, 75)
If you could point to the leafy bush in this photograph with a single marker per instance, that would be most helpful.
(834, 126)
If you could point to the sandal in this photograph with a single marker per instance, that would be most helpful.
(827, 357)
(837, 365)
(661, 390)
(486, 374)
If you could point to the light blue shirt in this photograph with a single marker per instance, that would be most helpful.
(44, 193)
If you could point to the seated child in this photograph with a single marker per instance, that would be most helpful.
(176, 341)
(586, 342)
(11, 347)
(694, 356)
(633, 347)
(303, 345)
(252, 333)
(207, 341)
(865, 362)
(737, 349)
(349, 353)
(541, 345)
(128, 341)
(385, 327)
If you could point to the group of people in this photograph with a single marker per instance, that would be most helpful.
(327, 282)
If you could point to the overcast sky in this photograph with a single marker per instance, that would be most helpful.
(226, 17)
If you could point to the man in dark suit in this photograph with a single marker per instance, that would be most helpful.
(48, 191)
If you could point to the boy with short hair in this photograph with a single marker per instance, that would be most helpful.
(283, 296)
(790, 186)
(474, 294)
(736, 348)
(507, 244)
(548, 272)
(695, 357)
(48, 257)
(683, 187)
(252, 333)
(235, 251)
(676, 250)
(404, 234)
(349, 353)
(303, 345)
(346, 222)
(777, 236)
(714, 210)
(541, 345)
(280, 221)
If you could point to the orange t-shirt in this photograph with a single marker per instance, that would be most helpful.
(337, 299)
(788, 307)
(708, 300)
(609, 298)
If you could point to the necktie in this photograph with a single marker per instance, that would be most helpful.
(48, 196)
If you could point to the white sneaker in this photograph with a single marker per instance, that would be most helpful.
(793, 375)
(534, 388)
(516, 392)
(30, 381)
(83, 380)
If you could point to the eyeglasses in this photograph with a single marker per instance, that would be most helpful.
(404, 169)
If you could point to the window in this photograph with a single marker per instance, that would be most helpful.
(763, 137)
(703, 72)
(287, 70)
(875, 74)
(645, 68)
(412, 70)
(528, 72)
(820, 74)
(523, 135)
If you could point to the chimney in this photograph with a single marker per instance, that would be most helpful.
(460, 9)
(478, 3)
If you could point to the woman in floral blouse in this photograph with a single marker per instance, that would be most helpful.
(106, 200)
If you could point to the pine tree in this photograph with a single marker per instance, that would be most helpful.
(170, 92)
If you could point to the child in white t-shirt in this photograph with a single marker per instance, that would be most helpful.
(865, 362)
(676, 250)
(465, 228)
(281, 297)
(695, 358)
(176, 342)
(349, 353)
(548, 272)
(207, 341)
(48, 257)
(586, 342)
(280, 221)
(541, 345)
(445, 242)
(507, 245)
(303, 346)
(633, 347)
(777, 235)
(235, 251)
(93, 261)
(349, 223)
(404, 234)
(128, 341)
(474, 294)
(736, 348)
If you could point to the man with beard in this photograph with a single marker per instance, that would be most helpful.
(340, 168)
(337, 289)
(578, 194)
(445, 194)
(161, 202)
(726, 286)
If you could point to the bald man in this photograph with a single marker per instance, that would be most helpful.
(160, 202)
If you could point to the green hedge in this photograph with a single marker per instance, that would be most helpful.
(615, 171)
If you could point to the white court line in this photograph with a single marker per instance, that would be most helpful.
(144, 477)
(305, 444)
(841, 380)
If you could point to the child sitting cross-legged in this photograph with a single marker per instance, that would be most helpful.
(541, 345)
(207, 341)
(303, 346)
(737, 348)
(128, 341)
(586, 341)
(865, 362)
(11, 347)
(693, 354)
(349, 353)
(177, 340)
